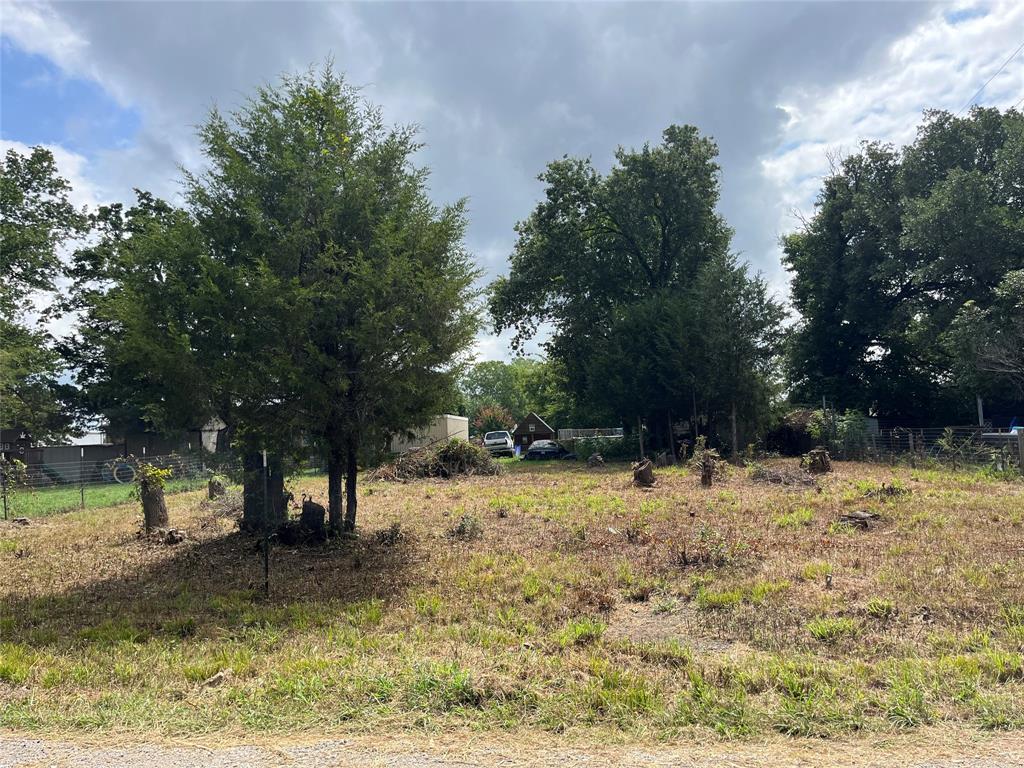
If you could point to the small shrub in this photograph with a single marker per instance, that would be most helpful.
(467, 528)
(391, 536)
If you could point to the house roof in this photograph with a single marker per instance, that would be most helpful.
(531, 416)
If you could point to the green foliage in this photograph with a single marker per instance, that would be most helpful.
(311, 293)
(36, 219)
(519, 387)
(492, 418)
(903, 242)
(843, 434)
(987, 342)
(149, 477)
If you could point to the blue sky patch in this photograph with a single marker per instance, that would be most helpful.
(964, 14)
(42, 105)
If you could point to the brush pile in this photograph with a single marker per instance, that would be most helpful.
(453, 458)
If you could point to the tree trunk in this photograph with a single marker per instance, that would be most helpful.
(352, 457)
(735, 436)
(252, 491)
(671, 441)
(640, 436)
(335, 470)
(154, 507)
(275, 487)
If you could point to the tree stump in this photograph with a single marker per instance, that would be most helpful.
(643, 473)
(707, 468)
(313, 516)
(595, 460)
(817, 461)
(154, 506)
(215, 488)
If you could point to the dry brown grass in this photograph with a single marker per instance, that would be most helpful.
(552, 597)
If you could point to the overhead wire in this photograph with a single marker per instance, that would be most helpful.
(996, 74)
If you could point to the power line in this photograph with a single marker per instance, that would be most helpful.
(978, 92)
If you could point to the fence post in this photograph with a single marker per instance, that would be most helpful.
(3, 483)
(81, 476)
(1020, 451)
(266, 528)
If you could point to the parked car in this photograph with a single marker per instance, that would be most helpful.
(499, 443)
(548, 449)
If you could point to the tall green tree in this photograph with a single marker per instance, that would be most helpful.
(899, 242)
(622, 267)
(368, 286)
(596, 243)
(36, 220)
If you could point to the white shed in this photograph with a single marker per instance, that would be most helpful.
(444, 427)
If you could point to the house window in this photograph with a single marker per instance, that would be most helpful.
(525, 439)
(533, 427)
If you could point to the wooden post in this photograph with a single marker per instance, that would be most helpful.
(640, 436)
(1020, 450)
(981, 411)
(671, 440)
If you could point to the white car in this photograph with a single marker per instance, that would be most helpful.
(499, 443)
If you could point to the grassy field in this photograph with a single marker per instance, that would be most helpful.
(64, 498)
(552, 598)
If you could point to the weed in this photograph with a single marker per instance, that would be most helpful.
(467, 528)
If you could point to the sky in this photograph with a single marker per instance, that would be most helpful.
(500, 89)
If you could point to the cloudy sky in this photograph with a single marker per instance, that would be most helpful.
(115, 89)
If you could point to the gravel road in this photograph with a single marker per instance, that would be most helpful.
(26, 752)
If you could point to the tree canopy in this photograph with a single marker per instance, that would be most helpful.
(900, 241)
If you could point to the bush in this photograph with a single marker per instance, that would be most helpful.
(611, 448)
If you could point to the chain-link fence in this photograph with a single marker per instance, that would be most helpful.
(39, 489)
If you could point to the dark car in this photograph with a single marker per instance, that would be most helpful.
(548, 449)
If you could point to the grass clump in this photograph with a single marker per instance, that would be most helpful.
(797, 518)
(880, 608)
(830, 629)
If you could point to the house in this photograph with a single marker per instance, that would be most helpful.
(443, 427)
(532, 428)
(15, 443)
